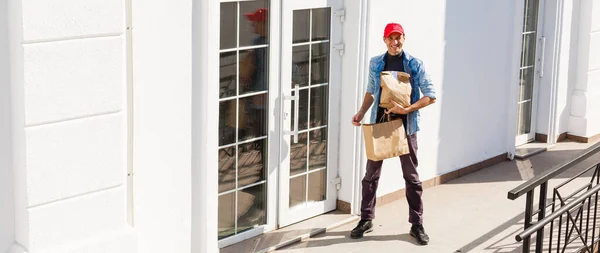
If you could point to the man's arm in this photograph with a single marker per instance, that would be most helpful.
(424, 101)
(367, 102)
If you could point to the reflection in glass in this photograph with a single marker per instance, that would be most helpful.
(253, 117)
(318, 149)
(320, 63)
(528, 53)
(297, 190)
(226, 215)
(254, 23)
(228, 25)
(300, 57)
(243, 116)
(227, 122)
(301, 28)
(316, 186)
(252, 207)
(252, 162)
(524, 119)
(318, 108)
(226, 169)
(227, 74)
(526, 84)
(298, 155)
(321, 24)
(303, 111)
(254, 70)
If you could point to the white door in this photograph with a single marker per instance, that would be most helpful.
(310, 85)
(531, 69)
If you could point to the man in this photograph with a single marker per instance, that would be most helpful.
(395, 59)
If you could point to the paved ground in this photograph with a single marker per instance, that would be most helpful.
(469, 214)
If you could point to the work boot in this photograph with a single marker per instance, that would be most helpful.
(418, 232)
(363, 227)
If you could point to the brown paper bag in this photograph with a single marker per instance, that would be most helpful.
(232, 115)
(395, 86)
(385, 140)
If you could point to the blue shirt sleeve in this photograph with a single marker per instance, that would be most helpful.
(371, 84)
(424, 81)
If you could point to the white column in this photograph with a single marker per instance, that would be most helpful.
(7, 215)
(584, 120)
(205, 119)
(69, 126)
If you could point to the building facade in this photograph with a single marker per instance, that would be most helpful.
(187, 126)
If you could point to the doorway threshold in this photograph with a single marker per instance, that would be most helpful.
(295, 233)
(530, 149)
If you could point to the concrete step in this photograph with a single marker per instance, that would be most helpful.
(530, 149)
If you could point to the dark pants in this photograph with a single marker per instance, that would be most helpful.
(414, 189)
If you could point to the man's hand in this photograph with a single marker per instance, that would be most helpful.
(357, 118)
(397, 109)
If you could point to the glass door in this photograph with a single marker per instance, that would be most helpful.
(245, 130)
(310, 84)
(531, 70)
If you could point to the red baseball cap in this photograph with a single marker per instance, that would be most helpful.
(257, 15)
(393, 28)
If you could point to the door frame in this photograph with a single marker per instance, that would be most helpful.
(274, 129)
(539, 65)
(285, 215)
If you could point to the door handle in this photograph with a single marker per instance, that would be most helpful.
(296, 99)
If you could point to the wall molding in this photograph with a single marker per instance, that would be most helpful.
(344, 206)
(581, 139)
(543, 138)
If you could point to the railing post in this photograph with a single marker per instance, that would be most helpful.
(528, 212)
(542, 206)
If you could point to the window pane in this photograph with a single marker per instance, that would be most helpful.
(297, 190)
(321, 23)
(226, 169)
(524, 119)
(254, 69)
(227, 122)
(301, 31)
(227, 74)
(526, 84)
(303, 110)
(228, 23)
(531, 15)
(254, 23)
(316, 186)
(318, 149)
(226, 215)
(252, 207)
(300, 57)
(318, 106)
(253, 117)
(320, 64)
(528, 52)
(252, 162)
(298, 155)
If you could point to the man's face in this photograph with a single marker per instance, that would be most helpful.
(260, 28)
(394, 43)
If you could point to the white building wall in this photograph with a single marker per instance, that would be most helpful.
(69, 82)
(584, 121)
(469, 56)
(7, 217)
(162, 95)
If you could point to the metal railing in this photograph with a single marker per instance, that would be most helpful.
(563, 205)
